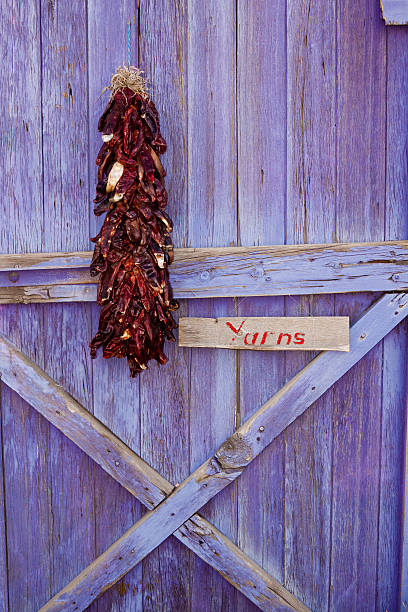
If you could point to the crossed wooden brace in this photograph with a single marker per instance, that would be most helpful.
(173, 508)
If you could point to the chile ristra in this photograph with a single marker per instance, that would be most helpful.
(133, 248)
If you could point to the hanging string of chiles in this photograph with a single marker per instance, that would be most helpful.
(133, 248)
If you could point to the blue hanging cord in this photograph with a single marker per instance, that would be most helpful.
(129, 45)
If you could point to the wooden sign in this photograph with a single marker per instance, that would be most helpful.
(267, 333)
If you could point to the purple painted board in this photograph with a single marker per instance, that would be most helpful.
(4, 599)
(212, 221)
(66, 227)
(25, 434)
(395, 346)
(26, 451)
(107, 49)
(356, 444)
(262, 180)
(310, 217)
(165, 392)
(115, 508)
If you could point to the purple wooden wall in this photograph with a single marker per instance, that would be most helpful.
(286, 123)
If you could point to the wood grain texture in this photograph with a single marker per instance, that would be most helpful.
(196, 273)
(66, 228)
(394, 12)
(261, 109)
(394, 406)
(25, 435)
(212, 222)
(128, 469)
(107, 49)
(356, 424)
(26, 452)
(310, 217)
(393, 418)
(276, 333)
(22, 128)
(165, 392)
(346, 255)
(4, 596)
(232, 457)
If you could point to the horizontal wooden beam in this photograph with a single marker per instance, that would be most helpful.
(222, 272)
(141, 480)
(232, 457)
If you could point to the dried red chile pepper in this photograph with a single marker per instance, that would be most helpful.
(133, 248)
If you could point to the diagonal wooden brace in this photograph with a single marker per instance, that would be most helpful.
(231, 458)
(139, 478)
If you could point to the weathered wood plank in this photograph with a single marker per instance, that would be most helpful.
(65, 125)
(112, 390)
(391, 540)
(404, 555)
(394, 406)
(261, 108)
(356, 420)
(232, 457)
(212, 222)
(310, 217)
(165, 440)
(133, 473)
(222, 272)
(26, 452)
(25, 434)
(107, 49)
(394, 12)
(71, 473)
(266, 333)
(22, 128)
(4, 597)
(275, 258)
(66, 228)
(47, 294)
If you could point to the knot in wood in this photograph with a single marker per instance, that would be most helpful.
(234, 453)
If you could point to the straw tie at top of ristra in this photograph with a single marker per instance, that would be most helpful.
(133, 248)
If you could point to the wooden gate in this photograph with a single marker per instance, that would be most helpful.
(287, 124)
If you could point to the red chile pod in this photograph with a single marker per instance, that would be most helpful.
(133, 248)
